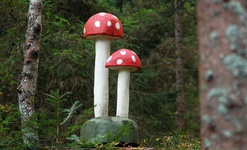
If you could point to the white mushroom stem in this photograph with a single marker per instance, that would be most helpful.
(101, 96)
(123, 93)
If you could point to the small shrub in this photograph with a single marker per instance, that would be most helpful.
(10, 134)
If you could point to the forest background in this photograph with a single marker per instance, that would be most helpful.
(67, 66)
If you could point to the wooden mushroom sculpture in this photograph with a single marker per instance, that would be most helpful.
(103, 28)
(125, 61)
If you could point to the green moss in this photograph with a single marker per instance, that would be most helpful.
(107, 129)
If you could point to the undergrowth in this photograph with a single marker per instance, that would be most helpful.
(59, 127)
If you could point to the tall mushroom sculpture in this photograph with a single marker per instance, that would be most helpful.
(125, 61)
(103, 28)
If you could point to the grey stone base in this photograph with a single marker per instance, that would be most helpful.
(111, 129)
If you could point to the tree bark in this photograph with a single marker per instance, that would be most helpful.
(179, 66)
(27, 88)
(223, 73)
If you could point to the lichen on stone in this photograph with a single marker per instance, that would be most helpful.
(209, 75)
(217, 1)
(223, 100)
(245, 100)
(216, 92)
(215, 137)
(233, 34)
(227, 133)
(222, 109)
(207, 119)
(207, 143)
(237, 124)
(235, 7)
(214, 37)
(228, 117)
(236, 64)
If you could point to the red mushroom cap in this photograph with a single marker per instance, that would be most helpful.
(103, 25)
(124, 59)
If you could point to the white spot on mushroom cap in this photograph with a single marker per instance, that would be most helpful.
(102, 14)
(119, 61)
(97, 24)
(109, 59)
(114, 16)
(118, 25)
(133, 58)
(84, 30)
(122, 52)
(109, 23)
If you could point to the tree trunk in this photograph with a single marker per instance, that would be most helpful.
(223, 73)
(27, 88)
(179, 65)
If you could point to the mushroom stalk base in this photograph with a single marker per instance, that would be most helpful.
(101, 98)
(123, 93)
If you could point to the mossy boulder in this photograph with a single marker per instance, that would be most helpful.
(109, 129)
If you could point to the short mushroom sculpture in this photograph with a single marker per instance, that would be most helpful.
(103, 28)
(125, 61)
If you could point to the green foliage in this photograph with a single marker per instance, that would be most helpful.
(113, 140)
(70, 111)
(192, 117)
(55, 124)
(10, 138)
(173, 141)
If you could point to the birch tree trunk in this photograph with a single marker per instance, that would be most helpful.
(223, 73)
(27, 88)
(179, 65)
